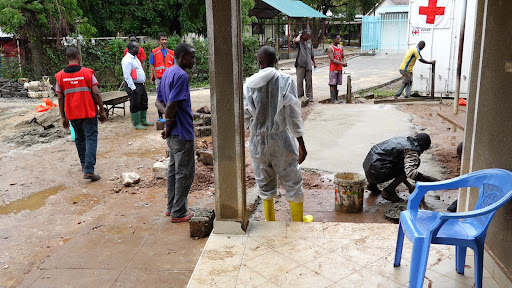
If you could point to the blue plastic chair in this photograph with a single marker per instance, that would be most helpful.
(463, 230)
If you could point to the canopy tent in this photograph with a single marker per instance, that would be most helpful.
(270, 9)
(267, 9)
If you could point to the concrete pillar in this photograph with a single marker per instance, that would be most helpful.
(225, 52)
(464, 204)
(492, 125)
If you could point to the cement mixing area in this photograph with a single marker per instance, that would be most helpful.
(49, 213)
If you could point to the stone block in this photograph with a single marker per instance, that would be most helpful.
(201, 225)
(160, 169)
(207, 120)
(203, 131)
(34, 94)
(205, 156)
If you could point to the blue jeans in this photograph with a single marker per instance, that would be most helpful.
(86, 141)
(180, 174)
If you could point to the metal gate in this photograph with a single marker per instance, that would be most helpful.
(385, 32)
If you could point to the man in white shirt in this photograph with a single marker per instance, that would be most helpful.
(135, 79)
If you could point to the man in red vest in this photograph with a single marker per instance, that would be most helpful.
(336, 67)
(160, 59)
(79, 99)
(141, 55)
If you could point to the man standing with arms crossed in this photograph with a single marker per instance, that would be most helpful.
(406, 68)
(173, 100)
(160, 59)
(135, 79)
(79, 99)
(336, 67)
(304, 64)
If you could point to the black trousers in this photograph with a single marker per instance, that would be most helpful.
(138, 98)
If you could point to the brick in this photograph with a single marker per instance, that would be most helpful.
(201, 225)
(160, 169)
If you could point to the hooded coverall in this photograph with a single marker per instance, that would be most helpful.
(272, 112)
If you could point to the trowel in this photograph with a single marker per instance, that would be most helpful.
(34, 120)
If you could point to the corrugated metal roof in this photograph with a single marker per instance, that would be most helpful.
(265, 9)
(393, 9)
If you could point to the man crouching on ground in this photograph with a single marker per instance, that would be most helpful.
(273, 114)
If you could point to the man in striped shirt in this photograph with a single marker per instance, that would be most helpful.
(406, 68)
(396, 159)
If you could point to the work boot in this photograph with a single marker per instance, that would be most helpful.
(343, 98)
(270, 212)
(334, 97)
(136, 121)
(297, 211)
(143, 118)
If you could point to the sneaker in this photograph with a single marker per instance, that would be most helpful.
(183, 219)
(93, 177)
(167, 213)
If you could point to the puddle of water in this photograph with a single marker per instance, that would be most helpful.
(32, 202)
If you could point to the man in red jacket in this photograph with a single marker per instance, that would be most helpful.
(79, 99)
(160, 59)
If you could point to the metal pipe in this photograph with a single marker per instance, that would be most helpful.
(459, 59)
(288, 37)
(433, 81)
(349, 88)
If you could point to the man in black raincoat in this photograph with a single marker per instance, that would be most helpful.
(396, 159)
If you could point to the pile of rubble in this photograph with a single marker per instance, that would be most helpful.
(10, 89)
(22, 88)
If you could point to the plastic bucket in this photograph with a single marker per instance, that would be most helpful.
(349, 192)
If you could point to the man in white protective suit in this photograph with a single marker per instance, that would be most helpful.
(273, 114)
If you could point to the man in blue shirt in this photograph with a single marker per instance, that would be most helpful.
(173, 100)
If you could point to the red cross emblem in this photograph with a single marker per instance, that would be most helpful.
(432, 10)
(415, 32)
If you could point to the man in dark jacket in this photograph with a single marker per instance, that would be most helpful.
(396, 159)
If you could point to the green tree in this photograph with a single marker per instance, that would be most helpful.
(33, 22)
(113, 17)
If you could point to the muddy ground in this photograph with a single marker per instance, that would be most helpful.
(44, 201)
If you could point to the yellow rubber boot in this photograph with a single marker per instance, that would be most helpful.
(297, 211)
(270, 212)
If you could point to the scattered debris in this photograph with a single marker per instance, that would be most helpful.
(205, 156)
(130, 178)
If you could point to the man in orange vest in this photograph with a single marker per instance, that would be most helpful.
(79, 99)
(336, 67)
(160, 59)
(141, 55)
